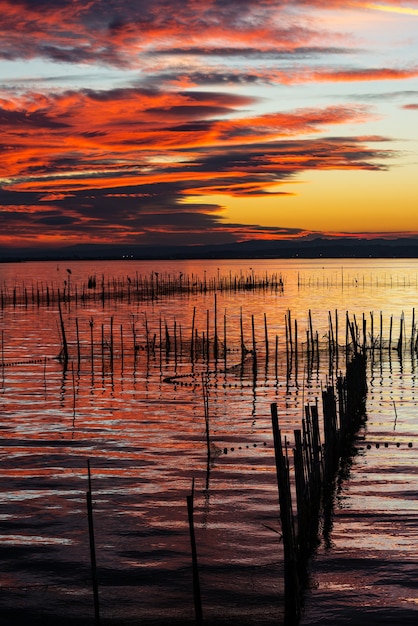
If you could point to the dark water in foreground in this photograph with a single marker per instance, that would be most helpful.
(368, 574)
(141, 423)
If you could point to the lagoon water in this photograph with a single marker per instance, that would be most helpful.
(137, 412)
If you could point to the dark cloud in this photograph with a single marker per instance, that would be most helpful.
(212, 77)
(132, 212)
(191, 112)
(301, 52)
(117, 165)
(384, 95)
(55, 220)
(21, 120)
(113, 32)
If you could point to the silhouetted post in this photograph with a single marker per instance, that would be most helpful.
(196, 581)
(111, 343)
(254, 348)
(121, 348)
(276, 357)
(78, 342)
(93, 551)
(390, 333)
(225, 348)
(381, 333)
(192, 355)
(292, 587)
(243, 350)
(64, 338)
(215, 335)
(401, 333)
(266, 337)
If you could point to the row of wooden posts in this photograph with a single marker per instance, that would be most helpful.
(155, 285)
(316, 467)
(347, 280)
(316, 464)
(212, 344)
(137, 288)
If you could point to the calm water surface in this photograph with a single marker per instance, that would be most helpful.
(139, 419)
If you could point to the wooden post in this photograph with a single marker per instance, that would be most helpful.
(243, 350)
(64, 353)
(266, 337)
(111, 343)
(390, 333)
(207, 336)
(215, 336)
(192, 351)
(296, 350)
(276, 357)
(381, 333)
(206, 411)
(401, 333)
(103, 359)
(93, 551)
(91, 322)
(254, 349)
(78, 343)
(121, 348)
(225, 342)
(292, 587)
(311, 332)
(196, 581)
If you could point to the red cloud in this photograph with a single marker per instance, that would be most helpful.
(73, 159)
(121, 162)
(90, 139)
(365, 75)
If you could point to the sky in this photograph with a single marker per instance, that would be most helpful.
(162, 122)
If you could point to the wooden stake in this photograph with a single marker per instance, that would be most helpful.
(93, 550)
(196, 581)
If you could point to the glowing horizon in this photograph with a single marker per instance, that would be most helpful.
(174, 122)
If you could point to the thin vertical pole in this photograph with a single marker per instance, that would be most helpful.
(192, 349)
(78, 343)
(196, 581)
(215, 338)
(292, 590)
(93, 551)
(64, 338)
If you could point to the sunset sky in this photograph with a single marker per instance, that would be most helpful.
(206, 121)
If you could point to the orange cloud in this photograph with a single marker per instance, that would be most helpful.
(365, 74)
(123, 134)
(98, 164)
(91, 162)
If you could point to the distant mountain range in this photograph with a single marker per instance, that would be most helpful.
(341, 247)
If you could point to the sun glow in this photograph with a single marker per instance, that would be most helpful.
(392, 9)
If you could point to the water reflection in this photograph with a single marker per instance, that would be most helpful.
(132, 401)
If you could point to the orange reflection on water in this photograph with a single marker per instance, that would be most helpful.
(139, 418)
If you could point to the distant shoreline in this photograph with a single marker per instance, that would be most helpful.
(342, 248)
